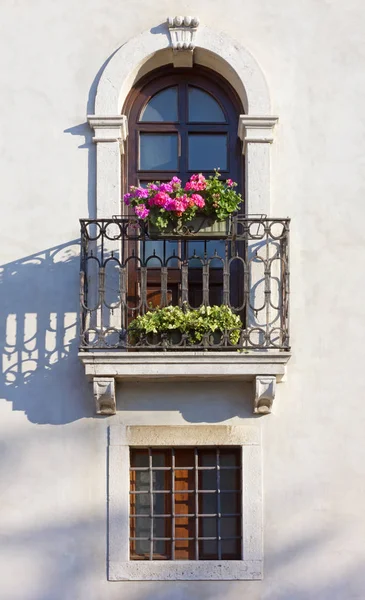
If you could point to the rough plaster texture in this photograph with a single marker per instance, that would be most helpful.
(53, 449)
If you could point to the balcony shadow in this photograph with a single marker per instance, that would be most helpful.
(83, 131)
(41, 374)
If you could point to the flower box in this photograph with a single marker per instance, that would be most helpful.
(200, 226)
(174, 328)
(202, 208)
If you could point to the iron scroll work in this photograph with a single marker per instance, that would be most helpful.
(125, 273)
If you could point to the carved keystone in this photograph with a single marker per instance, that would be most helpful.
(182, 32)
(265, 387)
(104, 394)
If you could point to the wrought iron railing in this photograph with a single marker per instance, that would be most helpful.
(124, 274)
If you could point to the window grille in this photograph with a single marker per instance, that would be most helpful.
(185, 504)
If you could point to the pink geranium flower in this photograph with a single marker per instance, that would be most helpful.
(160, 199)
(141, 211)
(197, 183)
(198, 200)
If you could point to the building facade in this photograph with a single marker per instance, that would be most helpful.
(185, 460)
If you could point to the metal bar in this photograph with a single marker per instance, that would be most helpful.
(163, 301)
(185, 515)
(184, 283)
(184, 468)
(160, 539)
(219, 506)
(186, 492)
(151, 502)
(173, 504)
(253, 231)
(205, 279)
(196, 504)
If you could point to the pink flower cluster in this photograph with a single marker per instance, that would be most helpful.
(168, 196)
(197, 183)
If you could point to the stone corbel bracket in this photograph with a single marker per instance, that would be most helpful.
(253, 129)
(104, 394)
(265, 388)
(109, 129)
(182, 31)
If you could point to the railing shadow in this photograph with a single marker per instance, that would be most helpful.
(41, 374)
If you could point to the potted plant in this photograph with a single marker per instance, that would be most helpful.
(207, 326)
(159, 327)
(217, 324)
(201, 208)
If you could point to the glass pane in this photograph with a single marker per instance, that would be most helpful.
(158, 152)
(229, 458)
(158, 459)
(143, 527)
(161, 107)
(206, 250)
(161, 550)
(159, 527)
(230, 527)
(140, 504)
(207, 152)
(142, 547)
(161, 504)
(208, 550)
(156, 249)
(207, 458)
(203, 107)
(208, 480)
(142, 481)
(161, 480)
(139, 458)
(230, 479)
(230, 503)
(208, 527)
(231, 549)
(207, 504)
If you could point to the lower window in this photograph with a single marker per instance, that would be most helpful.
(185, 503)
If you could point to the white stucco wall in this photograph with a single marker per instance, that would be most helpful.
(53, 449)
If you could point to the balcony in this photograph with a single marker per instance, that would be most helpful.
(125, 273)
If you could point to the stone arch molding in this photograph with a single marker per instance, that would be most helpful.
(175, 43)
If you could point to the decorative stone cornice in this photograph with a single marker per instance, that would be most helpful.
(264, 369)
(109, 129)
(265, 388)
(252, 129)
(104, 394)
(182, 31)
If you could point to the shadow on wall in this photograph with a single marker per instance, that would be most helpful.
(195, 401)
(83, 130)
(41, 374)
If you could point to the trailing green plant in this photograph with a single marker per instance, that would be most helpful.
(196, 323)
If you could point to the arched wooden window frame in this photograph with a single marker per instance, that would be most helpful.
(139, 97)
(199, 77)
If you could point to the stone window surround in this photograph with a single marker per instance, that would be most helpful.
(121, 439)
(140, 54)
(212, 49)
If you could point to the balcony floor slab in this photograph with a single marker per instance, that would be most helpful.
(191, 365)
